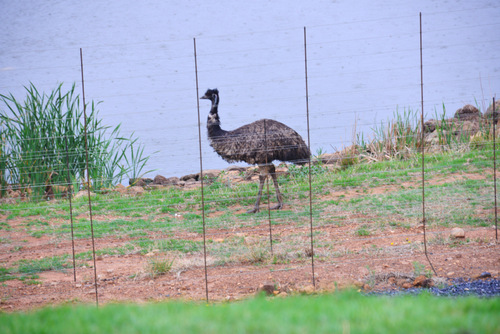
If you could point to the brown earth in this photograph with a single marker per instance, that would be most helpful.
(382, 260)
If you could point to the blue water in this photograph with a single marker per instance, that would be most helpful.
(363, 64)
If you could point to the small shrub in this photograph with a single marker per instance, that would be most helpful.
(419, 269)
(258, 254)
(159, 265)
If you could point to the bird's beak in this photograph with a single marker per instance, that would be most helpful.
(204, 97)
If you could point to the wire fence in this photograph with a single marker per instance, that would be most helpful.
(381, 205)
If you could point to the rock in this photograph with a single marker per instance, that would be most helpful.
(468, 112)
(430, 126)
(432, 139)
(407, 285)
(135, 190)
(422, 281)
(236, 168)
(211, 174)
(120, 188)
(482, 275)
(401, 281)
(190, 177)
(309, 289)
(163, 181)
(469, 128)
(457, 233)
(267, 288)
(191, 184)
(140, 182)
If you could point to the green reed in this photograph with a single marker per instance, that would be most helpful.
(44, 134)
(397, 138)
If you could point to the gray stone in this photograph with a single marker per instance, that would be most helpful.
(457, 233)
(467, 112)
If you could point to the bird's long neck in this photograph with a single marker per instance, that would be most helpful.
(213, 122)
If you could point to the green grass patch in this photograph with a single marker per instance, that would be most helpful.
(346, 312)
(6, 274)
(164, 245)
(44, 264)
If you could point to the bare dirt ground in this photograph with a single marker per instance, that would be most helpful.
(383, 260)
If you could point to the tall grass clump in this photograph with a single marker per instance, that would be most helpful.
(401, 137)
(4, 154)
(397, 138)
(44, 134)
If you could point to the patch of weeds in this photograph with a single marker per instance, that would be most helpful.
(159, 265)
(458, 242)
(258, 254)
(16, 249)
(167, 209)
(30, 280)
(37, 223)
(355, 200)
(342, 252)
(439, 239)
(5, 274)
(363, 231)
(332, 202)
(37, 234)
(192, 216)
(371, 277)
(280, 259)
(419, 269)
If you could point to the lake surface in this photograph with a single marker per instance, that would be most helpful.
(363, 64)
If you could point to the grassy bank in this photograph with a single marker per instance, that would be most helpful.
(368, 198)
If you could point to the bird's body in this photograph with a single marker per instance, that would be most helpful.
(260, 142)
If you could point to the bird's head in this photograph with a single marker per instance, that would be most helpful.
(212, 95)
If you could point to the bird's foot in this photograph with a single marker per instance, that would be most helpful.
(254, 210)
(278, 206)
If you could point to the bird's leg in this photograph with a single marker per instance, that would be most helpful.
(276, 186)
(262, 179)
